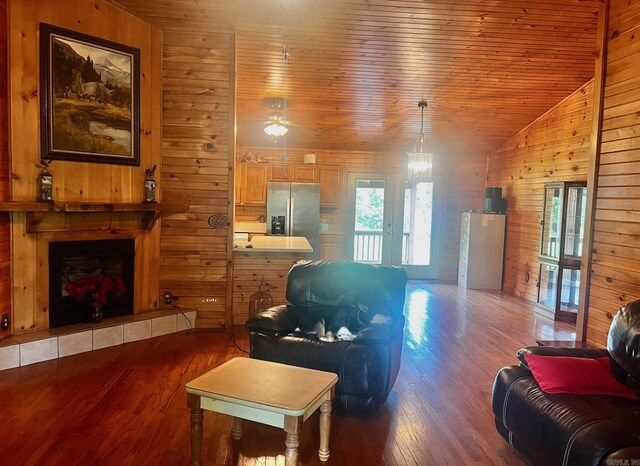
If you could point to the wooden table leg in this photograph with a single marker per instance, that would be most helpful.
(237, 428)
(325, 427)
(193, 402)
(292, 428)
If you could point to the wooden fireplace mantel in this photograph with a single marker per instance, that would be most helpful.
(35, 211)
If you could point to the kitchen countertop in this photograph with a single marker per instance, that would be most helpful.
(274, 244)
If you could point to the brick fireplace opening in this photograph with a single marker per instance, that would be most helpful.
(72, 260)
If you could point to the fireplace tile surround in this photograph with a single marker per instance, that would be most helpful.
(31, 348)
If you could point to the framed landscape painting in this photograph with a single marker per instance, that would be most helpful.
(89, 98)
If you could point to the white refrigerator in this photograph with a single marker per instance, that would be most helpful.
(481, 251)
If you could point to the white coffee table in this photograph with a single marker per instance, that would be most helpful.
(274, 394)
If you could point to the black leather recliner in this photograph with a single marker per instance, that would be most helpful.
(367, 367)
(580, 430)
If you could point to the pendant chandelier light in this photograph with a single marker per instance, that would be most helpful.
(277, 122)
(420, 166)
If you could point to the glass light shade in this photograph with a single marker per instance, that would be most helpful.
(420, 163)
(420, 167)
(276, 126)
(276, 130)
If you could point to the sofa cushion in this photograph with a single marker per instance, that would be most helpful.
(579, 376)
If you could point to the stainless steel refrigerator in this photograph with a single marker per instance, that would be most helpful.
(481, 251)
(293, 209)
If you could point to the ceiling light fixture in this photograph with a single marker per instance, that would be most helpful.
(420, 166)
(277, 122)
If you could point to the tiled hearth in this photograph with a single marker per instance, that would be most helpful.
(29, 348)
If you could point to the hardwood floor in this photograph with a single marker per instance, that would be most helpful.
(126, 405)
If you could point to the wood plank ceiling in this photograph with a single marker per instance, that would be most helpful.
(357, 68)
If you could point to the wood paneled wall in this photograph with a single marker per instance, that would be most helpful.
(615, 264)
(555, 147)
(5, 243)
(198, 152)
(74, 181)
(250, 269)
(460, 184)
(461, 189)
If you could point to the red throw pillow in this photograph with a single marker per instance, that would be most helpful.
(579, 376)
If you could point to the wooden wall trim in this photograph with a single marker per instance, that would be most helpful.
(614, 278)
(233, 80)
(5, 237)
(594, 166)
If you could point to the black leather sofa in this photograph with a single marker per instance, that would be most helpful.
(367, 366)
(565, 429)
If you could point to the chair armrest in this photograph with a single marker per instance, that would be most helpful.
(559, 351)
(623, 456)
(277, 320)
(377, 333)
(381, 333)
(618, 372)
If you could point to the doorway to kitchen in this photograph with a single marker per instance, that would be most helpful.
(390, 222)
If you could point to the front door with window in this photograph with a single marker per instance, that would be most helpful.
(390, 222)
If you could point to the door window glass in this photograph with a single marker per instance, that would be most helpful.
(552, 222)
(416, 231)
(576, 211)
(369, 221)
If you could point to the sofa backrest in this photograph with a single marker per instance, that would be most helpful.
(346, 284)
(623, 341)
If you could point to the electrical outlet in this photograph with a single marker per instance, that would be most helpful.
(4, 322)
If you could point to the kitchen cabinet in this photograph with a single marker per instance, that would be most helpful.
(305, 173)
(331, 247)
(251, 183)
(281, 173)
(294, 173)
(330, 178)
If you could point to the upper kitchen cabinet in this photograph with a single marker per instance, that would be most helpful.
(330, 178)
(281, 173)
(305, 173)
(252, 183)
(295, 173)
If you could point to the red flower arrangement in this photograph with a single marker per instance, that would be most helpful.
(95, 289)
